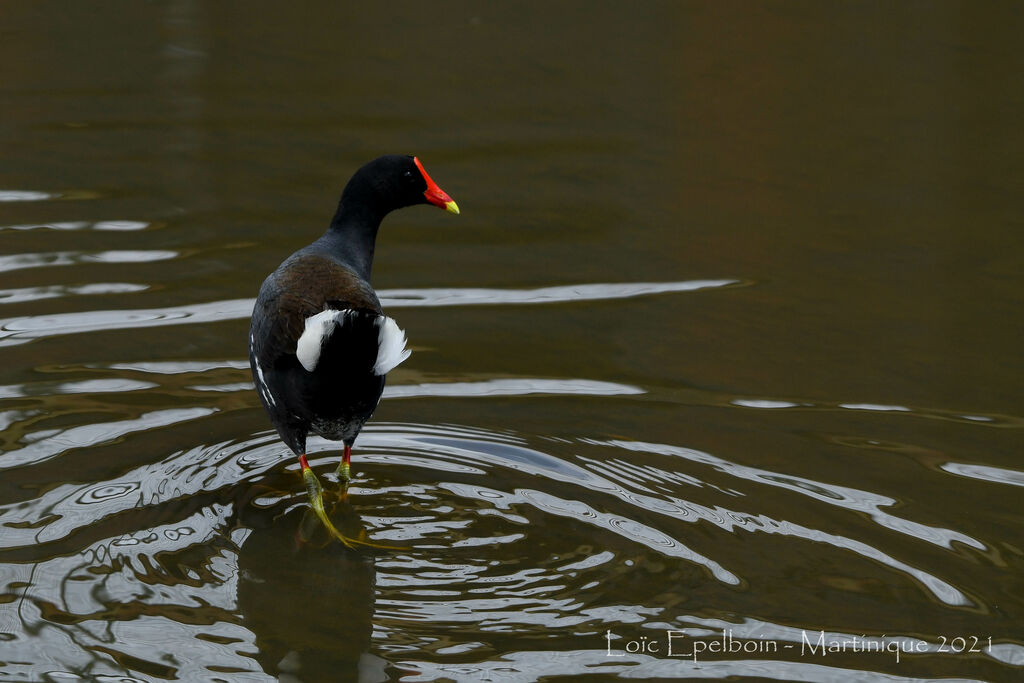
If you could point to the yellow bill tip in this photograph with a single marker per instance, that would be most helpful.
(452, 207)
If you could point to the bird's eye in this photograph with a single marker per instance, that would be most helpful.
(408, 174)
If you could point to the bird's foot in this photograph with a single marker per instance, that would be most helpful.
(316, 502)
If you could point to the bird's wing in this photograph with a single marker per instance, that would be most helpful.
(301, 288)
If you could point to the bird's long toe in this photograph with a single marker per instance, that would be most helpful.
(316, 501)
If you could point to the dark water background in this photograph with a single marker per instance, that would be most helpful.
(726, 343)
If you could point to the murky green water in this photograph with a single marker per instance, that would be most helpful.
(723, 354)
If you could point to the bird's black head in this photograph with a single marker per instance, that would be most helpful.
(395, 181)
(378, 188)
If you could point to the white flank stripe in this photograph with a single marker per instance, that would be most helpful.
(318, 328)
(390, 346)
(260, 381)
(264, 389)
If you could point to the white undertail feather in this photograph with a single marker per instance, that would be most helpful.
(390, 346)
(391, 349)
(318, 329)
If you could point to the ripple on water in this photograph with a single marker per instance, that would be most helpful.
(26, 196)
(992, 420)
(541, 295)
(997, 475)
(53, 443)
(23, 329)
(591, 537)
(103, 226)
(23, 294)
(67, 258)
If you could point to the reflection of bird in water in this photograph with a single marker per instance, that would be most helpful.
(319, 343)
(310, 603)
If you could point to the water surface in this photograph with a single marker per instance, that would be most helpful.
(722, 354)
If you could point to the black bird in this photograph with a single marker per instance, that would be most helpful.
(319, 343)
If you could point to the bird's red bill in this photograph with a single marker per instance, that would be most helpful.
(434, 194)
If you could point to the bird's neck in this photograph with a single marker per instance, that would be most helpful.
(353, 233)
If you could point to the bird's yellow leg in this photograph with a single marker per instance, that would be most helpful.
(316, 501)
(345, 467)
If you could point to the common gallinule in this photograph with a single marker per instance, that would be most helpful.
(319, 343)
